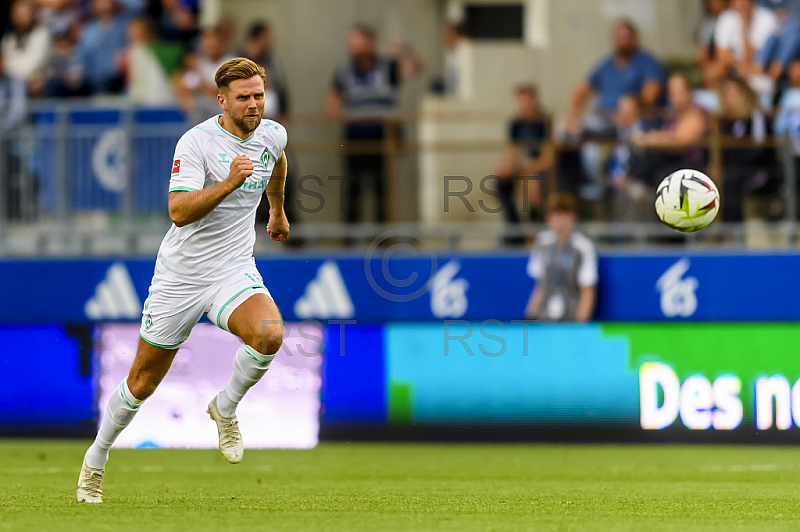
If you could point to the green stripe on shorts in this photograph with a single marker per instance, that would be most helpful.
(228, 302)
(159, 345)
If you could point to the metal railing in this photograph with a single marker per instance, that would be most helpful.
(78, 179)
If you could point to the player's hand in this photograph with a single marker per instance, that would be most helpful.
(278, 227)
(241, 169)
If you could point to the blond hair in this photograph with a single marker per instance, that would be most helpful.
(237, 68)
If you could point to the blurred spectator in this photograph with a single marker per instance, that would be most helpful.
(26, 47)
(367, 88)
(449, 84)
(752, 166)
(630, 70)
(195, 87)
(63, 73)
(177, 22)
(148, 77)
(629, 195)
(259, 47)
(787, 121)
(740, 34)
(19, 198)
(60, 16)
(226, 27)
(527, 158)
(788, 116)
(679, 144)
(101, 47)
(564, 265)
(706, 54)
(783, 46)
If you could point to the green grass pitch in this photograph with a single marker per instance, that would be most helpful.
(378, 487)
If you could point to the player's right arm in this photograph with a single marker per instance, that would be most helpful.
(189, 206)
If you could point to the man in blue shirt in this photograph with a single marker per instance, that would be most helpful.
(629, 70)
(101, 47)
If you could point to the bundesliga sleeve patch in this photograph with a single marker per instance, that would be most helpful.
(176, 166)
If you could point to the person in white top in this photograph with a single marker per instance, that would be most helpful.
(205, 263)
(26, 46)
(740, 33)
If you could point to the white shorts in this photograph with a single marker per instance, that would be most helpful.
(173, 307)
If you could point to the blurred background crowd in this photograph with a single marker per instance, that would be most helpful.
(729, 107)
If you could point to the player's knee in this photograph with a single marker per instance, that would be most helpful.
(268, 340)
(142, 384)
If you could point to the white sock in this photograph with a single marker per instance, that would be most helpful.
(121, 408)
(248, 367)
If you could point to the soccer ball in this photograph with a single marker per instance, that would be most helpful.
(687, 201)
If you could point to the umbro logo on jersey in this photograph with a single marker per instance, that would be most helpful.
(115, 297)
(326, 296)
(176, 166)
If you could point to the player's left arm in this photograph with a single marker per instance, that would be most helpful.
(587, 281)
(278, 225)
(586, 303)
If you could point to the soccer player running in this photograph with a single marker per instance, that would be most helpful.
(205, 263)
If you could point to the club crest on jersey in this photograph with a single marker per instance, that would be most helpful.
(223, 157)
(265, 157)
(176, 166)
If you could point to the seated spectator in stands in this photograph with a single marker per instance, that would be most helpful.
(60, 16)
(101, 48)
(63, 73)
(629, 195)
(740, 35)
(753, 166)
(564, 265)
(527, 158)
(679, 143)
(706, 45)
(259, 47)
(26, 47)
(629, 70)
(178, 22)
(148, 76)
(788, 116)
(194, 85)
(783, 46)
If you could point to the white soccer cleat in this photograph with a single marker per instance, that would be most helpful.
(230, 439)
(90, 484)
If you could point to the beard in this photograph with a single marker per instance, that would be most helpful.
(244, 123)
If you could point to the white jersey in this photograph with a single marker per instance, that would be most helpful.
(208, 250)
